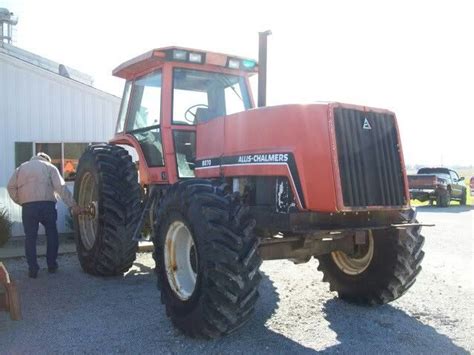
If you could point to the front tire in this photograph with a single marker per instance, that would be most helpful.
(106, 183)
(443, 199)
(463, 198)
(207, 259)
(383, 273)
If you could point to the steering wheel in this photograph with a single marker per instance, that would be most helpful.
(190, 116)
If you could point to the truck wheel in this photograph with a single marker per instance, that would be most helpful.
(207, 259)
(380, 272)
(107, 184)
(463, 198)
(444, 199)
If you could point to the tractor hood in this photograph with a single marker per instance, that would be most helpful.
(337, 157)
(262, 141)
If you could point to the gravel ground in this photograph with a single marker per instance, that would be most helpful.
(72, 312)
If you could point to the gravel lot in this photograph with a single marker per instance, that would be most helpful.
(76, 313)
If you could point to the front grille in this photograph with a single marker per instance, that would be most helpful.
(369, 158)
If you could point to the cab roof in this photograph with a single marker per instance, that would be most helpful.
(155, 57)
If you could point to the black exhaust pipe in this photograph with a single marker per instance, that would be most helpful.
(262, 67)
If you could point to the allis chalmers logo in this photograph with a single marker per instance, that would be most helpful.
(263, 158)
(366, 124)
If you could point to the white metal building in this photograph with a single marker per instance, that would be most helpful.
(45, 106)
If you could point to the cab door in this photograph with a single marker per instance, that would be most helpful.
(139, 125)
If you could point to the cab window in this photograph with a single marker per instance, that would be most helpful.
(124, 107)
(144, 117)
(145, 102)
(184, 146)
(201, 96)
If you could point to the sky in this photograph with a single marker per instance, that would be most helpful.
(415, 58)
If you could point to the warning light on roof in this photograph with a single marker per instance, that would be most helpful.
(234, 63)
(248, 64)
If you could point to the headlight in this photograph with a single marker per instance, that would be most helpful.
(179, 54)
(195, 57)
(234, 64)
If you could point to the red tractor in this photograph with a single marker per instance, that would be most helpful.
(228, 185)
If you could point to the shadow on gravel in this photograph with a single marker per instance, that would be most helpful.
(71, 311)
(451, 209)
(254, 337)
(382, 329)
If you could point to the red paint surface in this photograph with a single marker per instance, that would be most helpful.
(302, 130)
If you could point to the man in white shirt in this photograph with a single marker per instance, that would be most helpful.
(35, 185)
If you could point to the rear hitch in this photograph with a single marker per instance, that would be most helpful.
(409, 225)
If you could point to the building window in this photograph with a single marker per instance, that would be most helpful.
(23, 152)
(65, 156)
(72, 153)
(54, 151)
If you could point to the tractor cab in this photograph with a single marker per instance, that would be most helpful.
(168, 92)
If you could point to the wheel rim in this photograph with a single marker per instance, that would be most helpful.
(357, 263)
(181, 261)
(88, 222)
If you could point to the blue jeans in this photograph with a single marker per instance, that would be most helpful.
(34, 213)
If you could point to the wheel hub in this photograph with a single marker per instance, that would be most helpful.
(88, 222)
(181, 261)
(357, 262)
(91, 210)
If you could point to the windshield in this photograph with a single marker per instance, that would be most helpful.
(200, 96)
(433, 171)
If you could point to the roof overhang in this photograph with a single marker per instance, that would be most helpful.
(158, 56)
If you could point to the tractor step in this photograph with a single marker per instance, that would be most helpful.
(9, 297)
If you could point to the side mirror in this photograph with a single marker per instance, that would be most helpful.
(461, 178)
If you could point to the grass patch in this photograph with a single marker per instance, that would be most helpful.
(5, 227)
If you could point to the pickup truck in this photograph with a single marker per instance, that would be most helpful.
(437, 184)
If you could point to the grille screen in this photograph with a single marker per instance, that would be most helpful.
(369, 158)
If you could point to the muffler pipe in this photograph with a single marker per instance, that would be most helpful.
(262, 67)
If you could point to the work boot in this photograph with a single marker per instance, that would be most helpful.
(52, 269)
(33, 274)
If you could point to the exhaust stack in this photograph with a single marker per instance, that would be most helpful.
(262, 67)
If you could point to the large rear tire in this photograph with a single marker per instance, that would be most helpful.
(207, 259)
(387, 269)
(107, 183)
